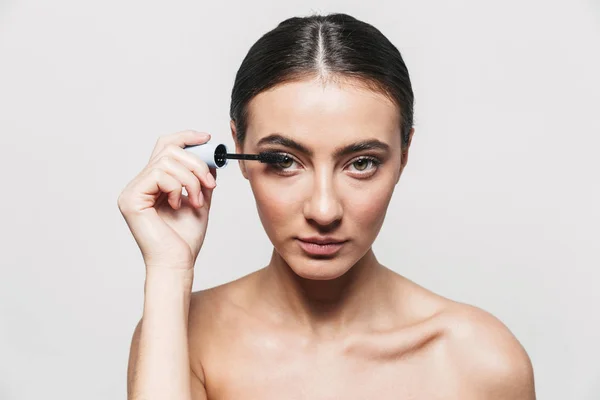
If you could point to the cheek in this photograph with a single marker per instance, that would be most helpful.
(278, 202)
(367, 207)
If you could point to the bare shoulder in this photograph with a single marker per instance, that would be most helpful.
(214, 318)
(477, 347)
(485, 353)
(220, 304)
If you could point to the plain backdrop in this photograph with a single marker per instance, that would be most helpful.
(498, 206)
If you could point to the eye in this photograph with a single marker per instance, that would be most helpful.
(364, 165)
(288, 165)
(361, 164)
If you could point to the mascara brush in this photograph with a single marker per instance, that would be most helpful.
(264, 157)
(216, 156)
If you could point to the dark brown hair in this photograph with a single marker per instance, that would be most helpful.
(336, 45)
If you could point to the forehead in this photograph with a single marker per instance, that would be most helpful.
(311, 111)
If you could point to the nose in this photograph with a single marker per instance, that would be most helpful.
(323, 206)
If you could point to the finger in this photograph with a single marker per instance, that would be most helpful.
(157, 181)
(208, 191)
(179, 139)
(192, 162)
(184, 176)
(207, 195)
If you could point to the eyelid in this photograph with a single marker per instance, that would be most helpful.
(375, 160)
(285, 153)
(270, 150)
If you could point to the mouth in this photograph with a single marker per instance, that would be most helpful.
(321, 246)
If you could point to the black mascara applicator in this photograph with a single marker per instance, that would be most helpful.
(264, 157)
(216, 156)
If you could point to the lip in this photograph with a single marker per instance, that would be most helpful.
(322, 240)
(321, 246)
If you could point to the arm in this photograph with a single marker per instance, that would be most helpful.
(511, 381)
(169, 229)
(159, 366)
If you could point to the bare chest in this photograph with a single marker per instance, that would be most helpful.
(274, 370)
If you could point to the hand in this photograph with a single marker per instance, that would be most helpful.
(169, 227)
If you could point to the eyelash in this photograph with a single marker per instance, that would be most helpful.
(373, 160)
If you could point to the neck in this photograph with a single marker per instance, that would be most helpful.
(328, 307)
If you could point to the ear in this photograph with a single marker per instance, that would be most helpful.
(405, 153)
(238, 148)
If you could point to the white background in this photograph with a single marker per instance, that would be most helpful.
(498, 206)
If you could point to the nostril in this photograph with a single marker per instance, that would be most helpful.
(324, 229)
(324, 215)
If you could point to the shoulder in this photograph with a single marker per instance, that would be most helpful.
(213, 320)
(222, 303)
(216, 313)
(485, 354)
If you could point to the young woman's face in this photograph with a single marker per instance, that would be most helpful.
(324, 206)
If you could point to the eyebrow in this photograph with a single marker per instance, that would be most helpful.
(372, 144)
(278, 139)
(281, 140)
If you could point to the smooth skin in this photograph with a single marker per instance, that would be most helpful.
(303, 327)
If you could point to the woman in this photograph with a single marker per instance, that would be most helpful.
(323, 319)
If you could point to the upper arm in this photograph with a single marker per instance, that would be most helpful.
(197, 387)
(490, 359)
(198, 332)
(133, 354)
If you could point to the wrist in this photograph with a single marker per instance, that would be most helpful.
(163, 278)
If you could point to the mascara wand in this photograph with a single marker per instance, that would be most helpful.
(263, 157)
(216, 156)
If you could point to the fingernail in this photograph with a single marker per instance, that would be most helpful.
(201, 199)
